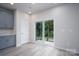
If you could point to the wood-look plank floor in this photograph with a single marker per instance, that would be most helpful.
(34, 49)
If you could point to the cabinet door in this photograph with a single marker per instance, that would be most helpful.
(3, 42)
(7, 41)
(6, 19)
(2, 19)
(11, 41)
(9, 21)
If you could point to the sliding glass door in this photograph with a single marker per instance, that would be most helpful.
(45, 30)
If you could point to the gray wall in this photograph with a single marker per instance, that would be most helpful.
(66, 25)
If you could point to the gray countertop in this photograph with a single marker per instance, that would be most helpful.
(6, 34)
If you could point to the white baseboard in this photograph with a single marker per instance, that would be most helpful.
(70, 50)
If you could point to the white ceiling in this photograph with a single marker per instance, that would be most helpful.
(26, 7)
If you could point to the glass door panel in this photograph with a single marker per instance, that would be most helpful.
(49, 26)
(39, 31)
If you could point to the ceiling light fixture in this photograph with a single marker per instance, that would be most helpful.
(11, 3)
(29, 12)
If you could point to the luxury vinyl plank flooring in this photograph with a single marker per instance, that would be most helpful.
(34, 49)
